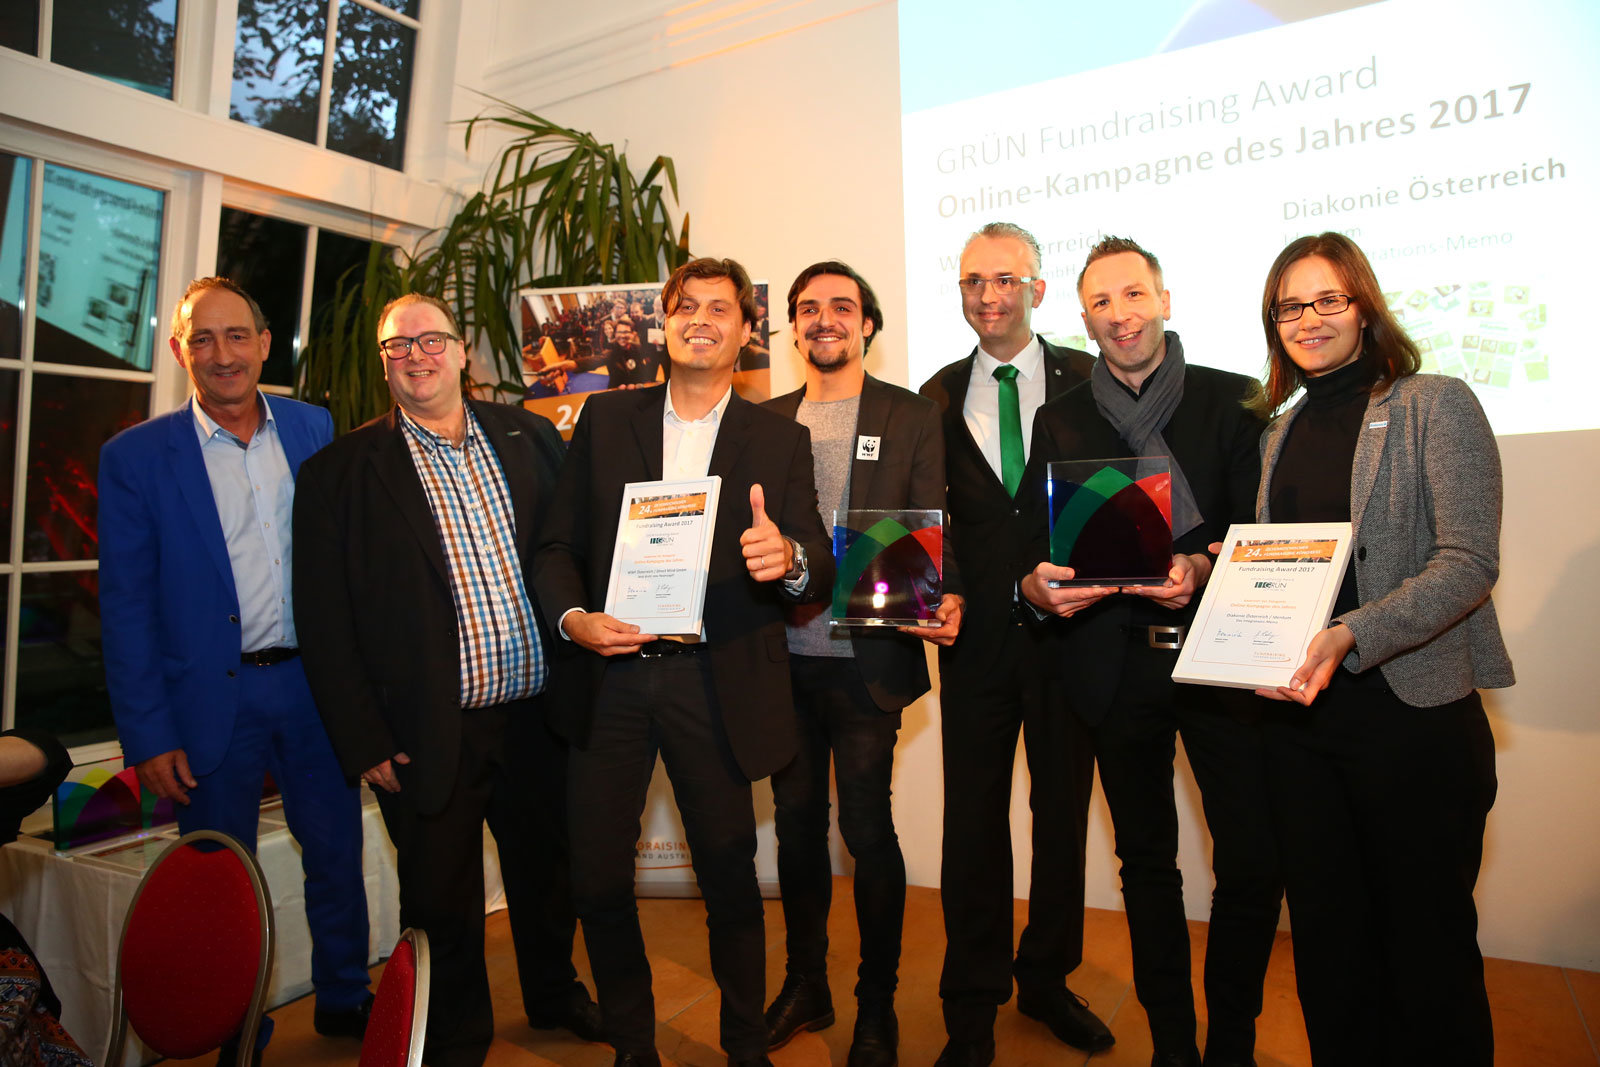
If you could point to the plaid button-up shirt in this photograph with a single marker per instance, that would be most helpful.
(501, 658)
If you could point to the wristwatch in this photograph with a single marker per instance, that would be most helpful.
(797, 571)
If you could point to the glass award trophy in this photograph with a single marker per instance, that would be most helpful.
(1111, 520)
(888, 567)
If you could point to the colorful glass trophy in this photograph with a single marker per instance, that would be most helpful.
(1111, 520)
(888, 567)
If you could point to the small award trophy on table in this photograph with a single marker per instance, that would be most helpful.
(1111, 520)
(888, 567)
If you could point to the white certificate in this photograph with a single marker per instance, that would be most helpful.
(1271, 592)
(663, 555)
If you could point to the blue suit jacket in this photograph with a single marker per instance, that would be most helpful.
(169, 613)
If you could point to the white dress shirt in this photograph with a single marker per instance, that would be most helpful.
(982, 406)
(254, 493)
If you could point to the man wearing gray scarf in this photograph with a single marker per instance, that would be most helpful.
(1117, 647)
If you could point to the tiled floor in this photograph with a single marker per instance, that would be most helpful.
(1544, 1016)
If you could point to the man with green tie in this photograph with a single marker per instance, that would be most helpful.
(995, 681)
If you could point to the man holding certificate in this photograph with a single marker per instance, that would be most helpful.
(879, 447)
(1118, 646)
(714, 704)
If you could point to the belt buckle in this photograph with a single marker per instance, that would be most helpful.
(1169, 638)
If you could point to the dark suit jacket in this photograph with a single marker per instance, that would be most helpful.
(169, 612)
(618, 440)
(377, 621)
(992, 542)
(1214, 439)
(907, 473)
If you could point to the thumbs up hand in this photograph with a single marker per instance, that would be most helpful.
(767, 553)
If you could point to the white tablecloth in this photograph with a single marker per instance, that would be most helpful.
(71, 911)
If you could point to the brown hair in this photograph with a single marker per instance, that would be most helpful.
(707, 269)
(1386, 351)
(870, 311)
(201, 285)
(1115, 246)
(419, 298)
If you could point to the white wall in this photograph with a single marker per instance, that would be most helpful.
(784, 123)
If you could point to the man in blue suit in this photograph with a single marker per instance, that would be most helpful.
(197, 618)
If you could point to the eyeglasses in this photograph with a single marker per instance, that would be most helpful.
(431, 343)
(1004, 285)
(1331, 304)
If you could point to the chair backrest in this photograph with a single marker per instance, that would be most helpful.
(399, 1019)
(196, 951)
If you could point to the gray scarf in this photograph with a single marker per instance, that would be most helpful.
(1139, 421)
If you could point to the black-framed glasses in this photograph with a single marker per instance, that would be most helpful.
(1004, 285)
(431, 343)
(1331, 304)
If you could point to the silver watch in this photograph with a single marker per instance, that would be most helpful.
(799, 569)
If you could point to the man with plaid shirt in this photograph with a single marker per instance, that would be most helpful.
(426, 650)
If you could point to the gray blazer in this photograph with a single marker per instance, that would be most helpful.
(1425, 502)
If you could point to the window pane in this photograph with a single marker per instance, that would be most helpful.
(70, 419)
(125, 41)
(277, 65)
(19, 26)
(336, 254)
(14, 174)
(61, 683)
(10, 384)
(266, 257)
(405, 7)
(371, 87)
(99, 246)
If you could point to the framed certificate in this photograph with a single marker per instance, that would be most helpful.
(663, 555)
(1111, 520)
(888, 567)
(1270, 593)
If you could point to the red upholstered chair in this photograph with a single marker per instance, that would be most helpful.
(196, 951)
(399, 1019)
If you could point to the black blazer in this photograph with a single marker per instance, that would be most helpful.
(373, 607)
(618, 440)
(1214, 439)
(992, 542)
(907, 473)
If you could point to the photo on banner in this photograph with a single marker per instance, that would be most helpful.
(587, 339)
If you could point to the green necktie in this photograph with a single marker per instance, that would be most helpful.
(1011, 460)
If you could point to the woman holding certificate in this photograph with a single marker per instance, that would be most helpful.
(1382, 767)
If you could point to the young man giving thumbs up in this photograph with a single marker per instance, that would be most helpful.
(718, 710)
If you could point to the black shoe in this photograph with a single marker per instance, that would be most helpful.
(636, 1059)
(1068, 1017)
(1230, 1061)
(351, 1022)
(1189, 1058)
(802, 1004)
(963, 1053)
(753, 1061)
(576, 1012)
(877, 1038)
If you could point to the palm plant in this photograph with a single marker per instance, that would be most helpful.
(562, 208)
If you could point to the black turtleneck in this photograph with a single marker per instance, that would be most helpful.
(1311, 482)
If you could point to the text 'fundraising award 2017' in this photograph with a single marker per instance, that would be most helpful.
(1271, 592)
(663, 555)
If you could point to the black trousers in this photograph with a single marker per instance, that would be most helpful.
(980, 724)
(512, 773)
(1135, 745)
(1380, 810)
(838, 718)
(666, 706)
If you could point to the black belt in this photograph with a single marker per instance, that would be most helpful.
(1169, 638)
(266, 657)
(656, 649)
